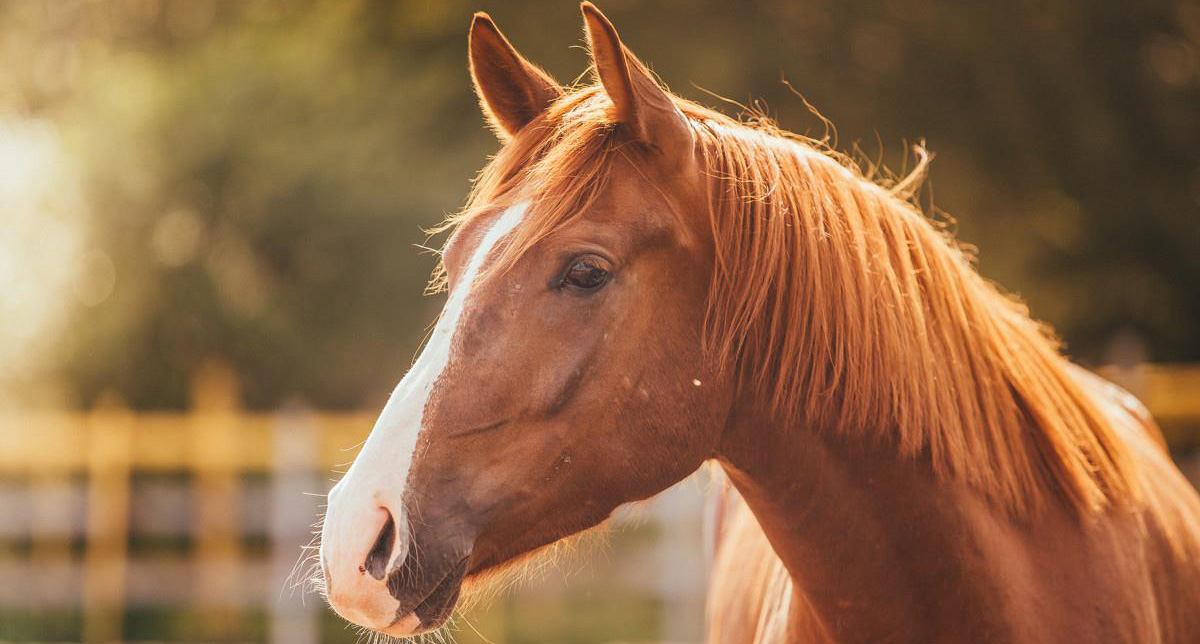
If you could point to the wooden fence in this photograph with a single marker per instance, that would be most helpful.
(216, 446)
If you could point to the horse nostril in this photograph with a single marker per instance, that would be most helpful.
(380, 553)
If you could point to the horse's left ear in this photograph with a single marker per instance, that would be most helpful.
(639, 102)
(512, 91)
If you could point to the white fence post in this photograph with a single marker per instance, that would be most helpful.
(294, 506)
(680, 557)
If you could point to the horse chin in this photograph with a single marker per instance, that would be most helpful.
(432, 612)
(405, 626)
(428, 617)
(435, 610)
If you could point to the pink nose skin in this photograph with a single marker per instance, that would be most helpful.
(361, 541)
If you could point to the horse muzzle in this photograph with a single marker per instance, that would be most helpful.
(380, 573)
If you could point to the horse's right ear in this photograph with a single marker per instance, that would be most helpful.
(512, 91)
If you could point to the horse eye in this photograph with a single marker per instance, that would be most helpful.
(585, 274)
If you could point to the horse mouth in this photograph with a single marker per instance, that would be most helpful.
(435, 609)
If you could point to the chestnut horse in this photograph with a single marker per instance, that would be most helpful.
(639, 285)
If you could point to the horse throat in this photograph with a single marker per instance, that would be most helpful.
(876, 542)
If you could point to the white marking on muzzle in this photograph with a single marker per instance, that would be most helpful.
(378, 476)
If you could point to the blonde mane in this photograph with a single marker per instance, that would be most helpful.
(844, 307)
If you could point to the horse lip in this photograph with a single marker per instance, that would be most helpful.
(440, 597)
(435, 608)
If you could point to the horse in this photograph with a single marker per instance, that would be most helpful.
(639, 285)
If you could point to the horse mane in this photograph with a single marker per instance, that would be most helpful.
(842, 305)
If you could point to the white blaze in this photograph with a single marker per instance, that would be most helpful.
(377, 477)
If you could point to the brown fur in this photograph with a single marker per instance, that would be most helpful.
(748, 604)
(816, 261)
(913, 457)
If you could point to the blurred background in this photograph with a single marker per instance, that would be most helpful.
(211, 262)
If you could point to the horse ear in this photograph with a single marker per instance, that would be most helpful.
(638, 101)
(512, 91)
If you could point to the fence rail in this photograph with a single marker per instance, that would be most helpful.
(216, 446)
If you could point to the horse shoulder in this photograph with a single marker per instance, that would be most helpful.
(1168, 512)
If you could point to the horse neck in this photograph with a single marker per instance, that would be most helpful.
(875, 541)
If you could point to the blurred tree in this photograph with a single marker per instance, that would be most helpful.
(256, 174)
